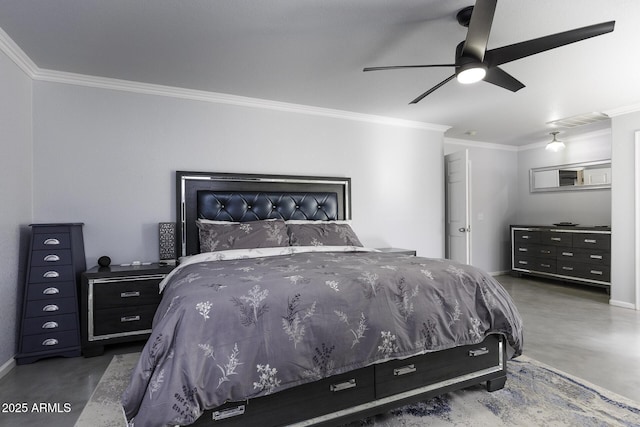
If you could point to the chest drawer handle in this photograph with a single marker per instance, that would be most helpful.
(51, 291)
(595, 256)
(50, 325)
(478, 352)
(544, 251)
(545, 265)
(343, 386)
(52, 242)
(52, 274)
(523, 262)
(50, 307)
(599, 273)
(590, 241)
(523, 249)
(525, 237)
(52, 258)
(129, 319)
(556, 239)
(567, 253)
(568, 268)
(228, 413)
(409, 369)
(50, 341)
(129, 294)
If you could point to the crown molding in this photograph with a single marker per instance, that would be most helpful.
(480, 144)
(17, 55)
(633, 108)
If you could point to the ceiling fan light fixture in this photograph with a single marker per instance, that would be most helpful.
(471, 73)
(555, 145)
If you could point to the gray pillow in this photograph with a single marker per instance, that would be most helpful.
(322, 234)
(220, 236)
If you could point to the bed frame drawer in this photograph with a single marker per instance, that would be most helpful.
(335, 393)
(407, 374)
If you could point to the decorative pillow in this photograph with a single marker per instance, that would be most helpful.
(220, 236)
(322, 234)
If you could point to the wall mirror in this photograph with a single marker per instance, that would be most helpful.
(575, 176)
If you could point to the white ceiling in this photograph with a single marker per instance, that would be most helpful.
(312, 52)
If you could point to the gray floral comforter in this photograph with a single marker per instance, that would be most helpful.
(240, 324)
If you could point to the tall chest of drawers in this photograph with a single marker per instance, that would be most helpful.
(576, 254)
(50, 320)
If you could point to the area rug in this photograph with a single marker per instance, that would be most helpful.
(535, 395)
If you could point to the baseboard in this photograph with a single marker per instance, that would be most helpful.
(622, 304)
(7, 367)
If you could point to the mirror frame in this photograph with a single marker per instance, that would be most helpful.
(532, 171)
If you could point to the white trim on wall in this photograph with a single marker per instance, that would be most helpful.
(637, 203)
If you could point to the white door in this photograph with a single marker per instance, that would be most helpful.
(457, 212)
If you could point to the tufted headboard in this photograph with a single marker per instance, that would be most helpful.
(249, 197)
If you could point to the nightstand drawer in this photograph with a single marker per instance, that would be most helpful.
(119, 320)
(50, 341)
(55, 323)
(51, 291)
(48, 308)
(51, 274)
(126, 292)
(51, 241)
(51, 257)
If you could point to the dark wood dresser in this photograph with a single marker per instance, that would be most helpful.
(49, 323)
(118, 304)
(576, 254)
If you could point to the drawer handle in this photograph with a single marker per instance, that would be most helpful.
(129, 319)
(523, 249)
(50, 307)
(50, 341)
(478, 352)
(545, 265)
(51, 291)
(590, 241)
(599, 273)
(556, 239)
(343, 386)
(595, 256)
(52, 242)
(129, 294)
(50, 325)
(544, 251)
(51, 274)
(409, 369)
(567, 253)
(228, 413)
(568, 268)
(525, 237)
(52, 258)
(523, 262)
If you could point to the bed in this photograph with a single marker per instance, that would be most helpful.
(277, 315)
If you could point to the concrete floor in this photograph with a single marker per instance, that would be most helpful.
(572, 328)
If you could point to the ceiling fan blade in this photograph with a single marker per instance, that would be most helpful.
(442, 83)
(398, 67)
(499, 77)
(475, 44)
(505, 54)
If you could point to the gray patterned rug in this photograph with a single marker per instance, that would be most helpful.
(535, 395)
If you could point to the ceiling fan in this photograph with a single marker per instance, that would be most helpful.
(473, 62)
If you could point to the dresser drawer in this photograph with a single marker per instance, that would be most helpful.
(52, 257)
(47, 308)
(522, 236)
(592, 241)
(127, 319)
(407, 374)
(126, 292)
(51, 274)
(600, 273)
(50, 341)
(51, 291)
(53, 240)
(590, 256)
(535, 264)
(556, 238)
(54, 323)
(536, 250)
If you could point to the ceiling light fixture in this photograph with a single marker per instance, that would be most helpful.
(471, 73)
(555, 145)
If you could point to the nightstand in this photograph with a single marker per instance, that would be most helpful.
(118, 304)
(398, 251)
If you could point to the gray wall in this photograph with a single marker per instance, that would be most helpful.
(15, 193)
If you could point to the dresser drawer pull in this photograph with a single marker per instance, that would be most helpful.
(52, 242)
(51, 274)
(567, 268)
(343, 386)
(523, 262)
(599, 273)
(50, 341)
(556, 239)
(50, 325)
(228, 413)
(129, 294)
(51, 291)
(52, 258)
(50, 307)
(590, 241)
(595, 256)
(523, 249)
(478, 352)
(525, 237)
(409, 369)
(129, 319)
(544, 251)
(545, 265)
(567, 253)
